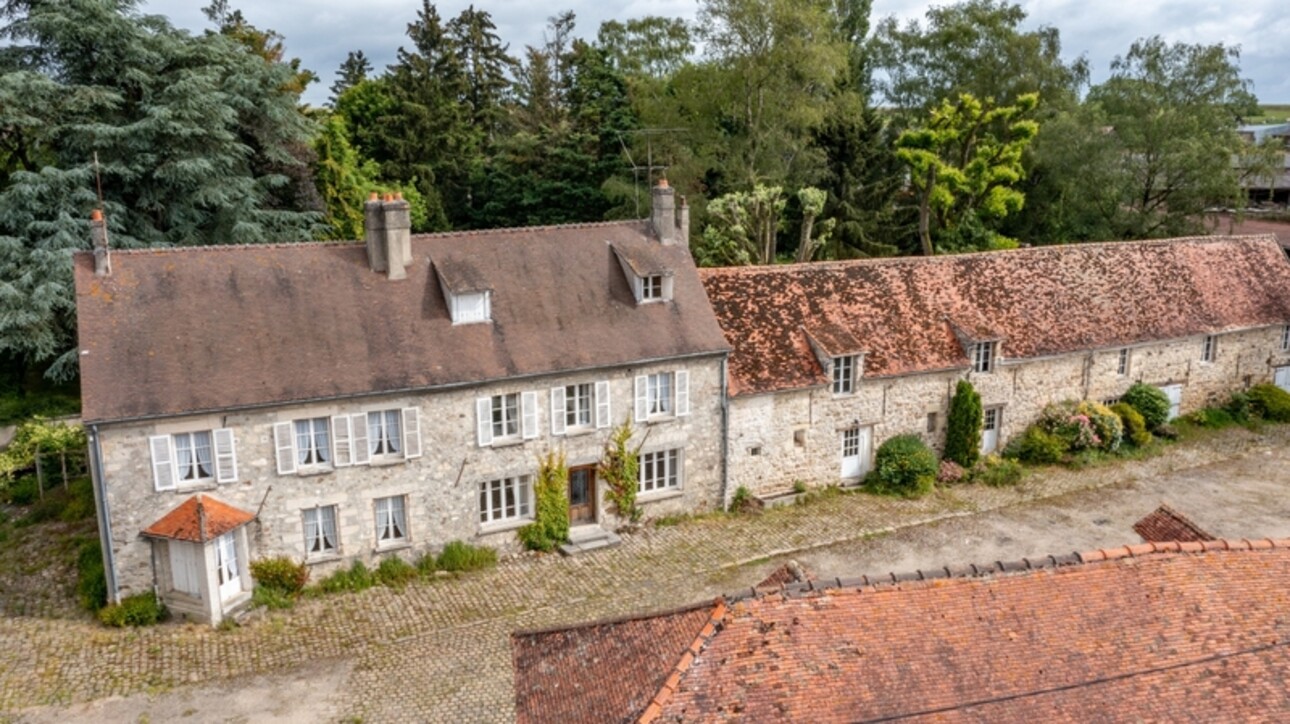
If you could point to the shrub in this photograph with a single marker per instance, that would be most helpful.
(1241, 407)
(550, 526)
(355, 578)
(272, 598)
(997, 472)
(1150, 402)
(963, 429)
(799, 487)
(904, 466)
(1211, 417)
(395, 572)
(91, 581)
(1105, 423)
(427, 564)
(1082, 425)
(80, 502)
(141, 609)
(280, 574)
(1271, 402)
(1037, 446)
(22, 491)
(459, 556)
(950, 472)
(619, 467)
(1135, 428)
(742, 501)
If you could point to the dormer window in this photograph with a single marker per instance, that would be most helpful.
(466, 290)
(471, 307)
(844, 375)
(648, 274)
(983, 357)
(652, 288)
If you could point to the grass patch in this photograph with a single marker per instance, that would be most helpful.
(462, 556)
(141, 609)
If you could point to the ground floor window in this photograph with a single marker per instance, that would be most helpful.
(391, 521)
(186, 567)
(660, 471)
(504, 499)
(320, 531)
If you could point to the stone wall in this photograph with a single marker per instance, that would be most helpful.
(778, 439)
(441, 486)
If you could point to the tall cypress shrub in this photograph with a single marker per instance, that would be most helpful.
(963, 432)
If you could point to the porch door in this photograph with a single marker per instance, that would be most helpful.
(856, 443)
(582, 495)
(1281, 378)
(990, 430)
(1174, 393)
(226, 570)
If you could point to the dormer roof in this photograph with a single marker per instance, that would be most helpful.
(459, 273)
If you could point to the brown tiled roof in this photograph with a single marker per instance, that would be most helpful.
(1149, 632)
(1038, 302)
(192, 329)
(1166, 524)
(184, 522)
(607, 671)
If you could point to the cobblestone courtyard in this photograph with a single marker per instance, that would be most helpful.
(439, 650)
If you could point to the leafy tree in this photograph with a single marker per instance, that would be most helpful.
(810, 239)
(485, 65)
(353, 70)
(365, 108)
(963, 427)
(652, 47)
(963, 171)
(343, 179)
(267, 44)
(749, 219)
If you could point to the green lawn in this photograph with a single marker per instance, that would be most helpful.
(1271, 114)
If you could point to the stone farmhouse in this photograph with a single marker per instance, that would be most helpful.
(341, 402)
(830, 359)
(360, 401)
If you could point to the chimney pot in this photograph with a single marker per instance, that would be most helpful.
(389, 197)
(373, 196)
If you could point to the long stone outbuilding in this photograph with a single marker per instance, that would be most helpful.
(353, 402)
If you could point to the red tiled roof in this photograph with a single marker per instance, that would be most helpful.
(190, 329)
(601, 672)
(184, 522)
(1166, 524)
(1047, 300)
(1150, 632)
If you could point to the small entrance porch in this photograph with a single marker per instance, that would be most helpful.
(200, 555)
(584, 533)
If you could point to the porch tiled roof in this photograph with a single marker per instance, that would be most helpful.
(185, 522)
(1166, 524)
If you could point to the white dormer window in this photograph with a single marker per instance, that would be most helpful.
(471, 307)
(844, 375)
(652, 288)
(983, 357)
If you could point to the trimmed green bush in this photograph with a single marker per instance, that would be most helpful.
(550, 526)
(997, 472)
(395, 572)
(963, 429)
(91, 580)
(1150, 402)
(459, 556)
(1037, 446)
(1271, 402)
(904, 466)
(1135, 428)
(1241, 407)
(141, 609)
(281, 574)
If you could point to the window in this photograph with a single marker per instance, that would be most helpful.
(506, 418)
(391, 521)
(471, 307)
(660, 471)
(192, 458)
(1111, 401)
(652, 288)
(844, 375)
(577, 406)
(1208, 349)
(659, 394)
(320, 532)
(572, 405)
(799, 438)
(505, 499)
(1122, 364)
(983, 356)
(931, 422)
(662, 395)
(1285, 338)
(506, 415)
(313, 443)
(384, 435)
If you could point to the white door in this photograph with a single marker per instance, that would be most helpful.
(855, 452)
(1174, 393)
(230, 579)
(1281, 378)
(990, 429)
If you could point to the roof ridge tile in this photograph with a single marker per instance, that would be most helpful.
(673, 681)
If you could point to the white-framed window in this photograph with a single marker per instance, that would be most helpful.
(471, 307)
(1122, 363)
(983, 356)
(186, 567)
(384, 434)
(313, 441)
(652, 288)
(1285, 338)
(844, 375)
(1111, 401)
(505, 499)
(506, 417)
(320, 531)
(663, 394)
(579, 407)
(193, 458)
(660, 470)
(1208, 349)
(391, 521)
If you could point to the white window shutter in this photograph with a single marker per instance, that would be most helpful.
(225, 456)
(342, 440)
(529, 415)
(682, 392)
(642, 401)
(557, 411)
(362, 453)
(484, 420)
(163, 462)
(603, 418)
(411, 432)
(284, 447)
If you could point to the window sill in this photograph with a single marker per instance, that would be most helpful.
(385, 462)
(322, 558)
(506, 442)
(200, 486)
(501, 526)
(578, 431)
(660, 419)
(391, 547)
(655, 496)
(313, 471)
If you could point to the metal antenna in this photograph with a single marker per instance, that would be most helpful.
(649, 166)
(98, 178)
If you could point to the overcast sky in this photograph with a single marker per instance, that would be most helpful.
(322, 32)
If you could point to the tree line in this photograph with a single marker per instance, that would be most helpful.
(803, 130)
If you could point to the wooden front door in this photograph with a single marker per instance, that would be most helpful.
(582, 495)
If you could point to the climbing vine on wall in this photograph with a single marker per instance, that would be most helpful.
(619, 469)
(550, 526)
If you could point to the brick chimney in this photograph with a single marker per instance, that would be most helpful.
(99, 240)
(387, 225)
